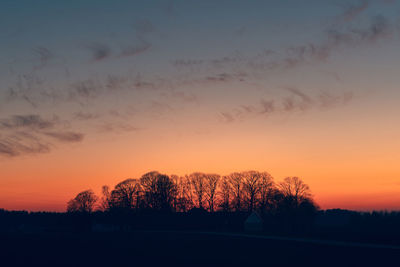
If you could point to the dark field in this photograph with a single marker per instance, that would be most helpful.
(181, 248)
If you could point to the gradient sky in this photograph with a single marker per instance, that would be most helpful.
(93, 92)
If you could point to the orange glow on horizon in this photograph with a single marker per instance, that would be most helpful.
(337, 180)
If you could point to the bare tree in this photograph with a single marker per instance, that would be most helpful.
(295, 189)
(147, 181)
(175, 180)
(251, 187)
(267, 190)
(165, 193)
(148, 184)
(159, 191)
(83, 202)
(105, 198)
(236, 183)
(225, 194)
(198, 183)
(211, 183)
(184, 196)
(125, 194)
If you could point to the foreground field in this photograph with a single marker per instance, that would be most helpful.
(183, 249)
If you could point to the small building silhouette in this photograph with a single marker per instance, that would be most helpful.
(253, 223)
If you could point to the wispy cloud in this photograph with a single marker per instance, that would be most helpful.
(133, 50)
(85, 90)
(235, 67)
(295, 101)
(226, 77)
(188, 97)
(84, 116)
(334, 37)
(379, 28)
(116, 127)
(44, 56)
(352, 11)
(32, 134)
(228, 117)
(187, 63)
(160, 108)
(142, 29)
(66, 136)
(170, 8)
(27, 87)
(21, 144)
(31, 122)
(99, 51)
(266, 107)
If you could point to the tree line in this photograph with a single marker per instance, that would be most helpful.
(245, 191)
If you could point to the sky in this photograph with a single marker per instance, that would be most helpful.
(93, 92)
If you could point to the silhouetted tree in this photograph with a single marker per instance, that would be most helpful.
(294, 189)
(164, 194)
(211, 184)
(125, 194)
(175, 180)
(266, 192)
(225, 194)
(236, 182)
(105, 198)
(159, 191)
(251, 187)
(273, 201)
(83, 202)
(308, 207)
(148, 183)
(288, 205)
(198, 184)
(184, 194)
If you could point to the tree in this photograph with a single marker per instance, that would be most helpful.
(274, 200)
(105, 199)
(225, 193)
(294, 189)
(251, 187)
(147, 181)
(183, 199)
(175, 180)
(211, 183)
(125, 194)
(159, 191)
(267, 191)
(236, 184)
(148, 185)
(83, 202)
(198, 184)
(165, 193)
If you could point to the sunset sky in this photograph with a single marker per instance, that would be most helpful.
(93, 92)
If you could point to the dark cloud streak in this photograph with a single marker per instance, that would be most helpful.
(84, 116)
(99, 51)
(134, 50)
(29, 134)
(66, 136)
(335, 37)
(21, 144)
(32, 122)
(296, 101)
